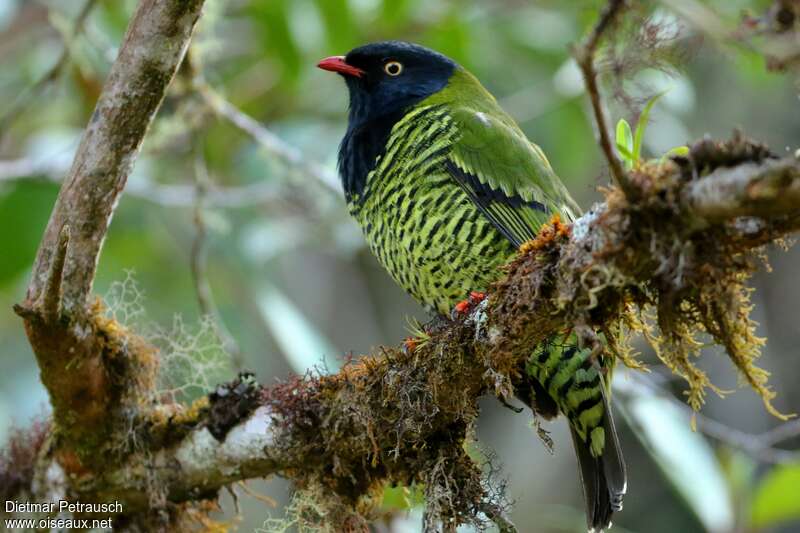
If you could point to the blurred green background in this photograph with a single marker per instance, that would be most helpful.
(292, 280)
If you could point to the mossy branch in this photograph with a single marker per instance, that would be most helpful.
(402, 415)
(97, 374)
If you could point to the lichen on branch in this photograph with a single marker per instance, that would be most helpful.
(404, 416)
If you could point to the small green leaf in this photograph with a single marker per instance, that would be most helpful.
(403, 498)
(679, 150)
(624, 135)
(625, 142)
(682, 151)
(641, 125)
(776, 500)
(625, 153)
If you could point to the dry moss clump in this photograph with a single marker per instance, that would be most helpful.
(400, 418)
(639, 265)
(99, 376)
(642, 264)
(18, 460)
(698, 287)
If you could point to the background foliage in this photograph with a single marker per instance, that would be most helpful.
(288, 270)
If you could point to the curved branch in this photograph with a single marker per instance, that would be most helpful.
(585, 57)
(394, 415)
(94, 375)
(164, 195)
(150, 54)
(288, 154)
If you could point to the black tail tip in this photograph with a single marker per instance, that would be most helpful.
(616, 501)
(601, 520)
(603, 510)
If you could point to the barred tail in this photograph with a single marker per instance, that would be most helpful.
(603, 477)
(569, 381)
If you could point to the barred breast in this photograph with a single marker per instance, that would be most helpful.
(419, 222)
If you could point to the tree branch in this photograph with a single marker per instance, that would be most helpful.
(94, 374)
(762, 446)
(234, 197)
(749, 189)
(270, 142)
(397, 415)
(148, 59)
(585, 56)
(202, 287)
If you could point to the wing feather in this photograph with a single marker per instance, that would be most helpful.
(505, 175)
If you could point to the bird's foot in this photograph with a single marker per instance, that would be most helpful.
(477, 297)
(465, 306)
(409, 345)
(462, 306)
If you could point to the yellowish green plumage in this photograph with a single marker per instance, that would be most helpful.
(446, 187)
(437, 244)
(421, 223)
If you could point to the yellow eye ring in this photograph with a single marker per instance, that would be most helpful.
(393, 68)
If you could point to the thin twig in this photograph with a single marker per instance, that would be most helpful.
(585, 56)
(288, 154)
(205, 298)
(761, 446)
(237, 197)
(784, 432)
(25, 98)
(51, 304)
(198, 253)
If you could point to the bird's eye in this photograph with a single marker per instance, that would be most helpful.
(393, 68)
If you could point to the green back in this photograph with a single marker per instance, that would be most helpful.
(505, 174)
(456, 190)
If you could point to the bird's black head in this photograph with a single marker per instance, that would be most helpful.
(384, 80)
(387, 77)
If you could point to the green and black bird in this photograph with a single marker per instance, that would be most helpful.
(446, 187)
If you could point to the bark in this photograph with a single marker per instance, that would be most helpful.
(93, 374)
(400, 414)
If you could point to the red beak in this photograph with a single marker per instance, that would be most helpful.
(337, 64)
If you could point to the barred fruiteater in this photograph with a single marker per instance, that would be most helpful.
(446, 187)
